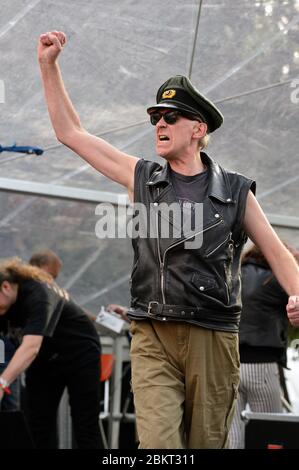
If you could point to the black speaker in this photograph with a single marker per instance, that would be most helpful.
(271, 430)
(15, 433)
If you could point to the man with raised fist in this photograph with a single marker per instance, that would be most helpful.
(185, 288)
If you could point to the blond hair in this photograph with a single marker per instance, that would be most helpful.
(203, 142)
(15, 271)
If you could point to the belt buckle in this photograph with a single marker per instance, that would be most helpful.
(150, 307)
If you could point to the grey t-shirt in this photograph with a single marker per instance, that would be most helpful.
(189, 190)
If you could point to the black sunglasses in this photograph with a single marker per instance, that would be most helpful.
(170, 117)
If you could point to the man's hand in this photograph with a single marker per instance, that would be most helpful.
(293, 310)
(49, 46)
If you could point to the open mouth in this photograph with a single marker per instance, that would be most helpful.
(162, 138)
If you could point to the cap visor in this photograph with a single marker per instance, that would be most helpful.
(170, 106)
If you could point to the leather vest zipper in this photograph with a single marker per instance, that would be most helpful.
(230, 247)
(162, 262)
(161, 265)
(222, 243)
(227, 292)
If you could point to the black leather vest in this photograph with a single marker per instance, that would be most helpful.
(171, 282)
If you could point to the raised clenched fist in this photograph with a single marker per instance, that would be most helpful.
(50, 45)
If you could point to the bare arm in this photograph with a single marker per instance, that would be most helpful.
(105, 158)
(281, 261)
(23, 357)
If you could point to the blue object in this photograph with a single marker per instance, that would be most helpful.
(22, 149)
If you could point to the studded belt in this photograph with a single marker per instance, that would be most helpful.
(165, 312)
(155, 309)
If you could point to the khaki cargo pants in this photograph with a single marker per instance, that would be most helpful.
(185, 381)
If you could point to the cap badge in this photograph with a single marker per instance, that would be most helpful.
(168, 94)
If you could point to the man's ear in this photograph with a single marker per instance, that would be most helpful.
(200, 130)
(5, 286)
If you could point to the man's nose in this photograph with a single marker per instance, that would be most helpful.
(161, 122)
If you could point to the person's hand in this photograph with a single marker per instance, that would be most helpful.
(119, 309)
(293, 310)
(49, 46)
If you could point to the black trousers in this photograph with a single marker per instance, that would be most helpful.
(44, 388)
